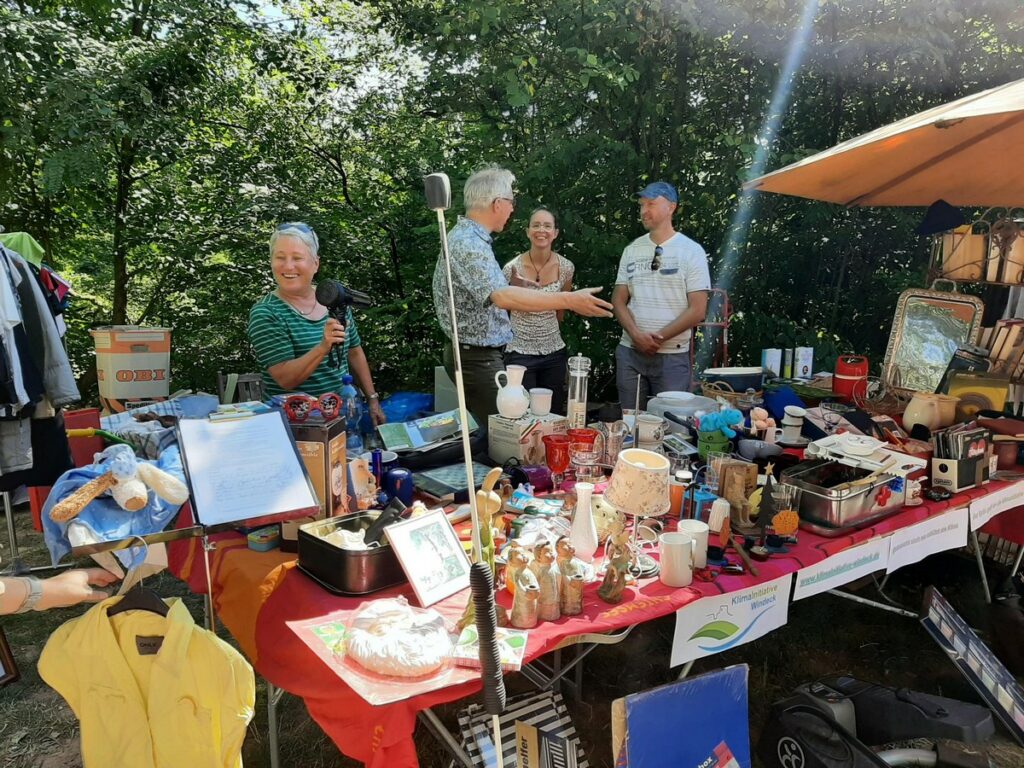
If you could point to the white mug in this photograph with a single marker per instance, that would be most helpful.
(676, 557)
(540, 401)
(652, 428)
(699, 530)
(772, 435)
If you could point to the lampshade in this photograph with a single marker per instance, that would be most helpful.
(639, 483)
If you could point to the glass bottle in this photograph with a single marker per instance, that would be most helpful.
(576, 412)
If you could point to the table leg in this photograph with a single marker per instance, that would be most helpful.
(1016, 563)
(274, 695)
(981, 565)
(873, 603)
(685, 670)
(436, 727)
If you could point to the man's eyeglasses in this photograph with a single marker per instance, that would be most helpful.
(510, 200)
(656, 262)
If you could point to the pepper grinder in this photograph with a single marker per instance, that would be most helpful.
(579, 370)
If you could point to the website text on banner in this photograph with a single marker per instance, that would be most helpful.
(842, 568)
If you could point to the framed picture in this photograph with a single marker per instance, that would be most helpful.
(431, 556)
(8, 669)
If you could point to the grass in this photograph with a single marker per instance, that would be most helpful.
(825, 636)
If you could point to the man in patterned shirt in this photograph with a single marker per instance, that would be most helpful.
(483, 297)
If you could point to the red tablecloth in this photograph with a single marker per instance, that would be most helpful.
(256, 593)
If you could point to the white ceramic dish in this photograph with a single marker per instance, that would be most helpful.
(676, 395)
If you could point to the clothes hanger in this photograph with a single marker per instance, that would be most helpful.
(139, 598)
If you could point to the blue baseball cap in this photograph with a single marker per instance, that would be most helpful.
(659, 189)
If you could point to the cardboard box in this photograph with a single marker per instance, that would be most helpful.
(322, 448)
(521, 438)
(956, 476)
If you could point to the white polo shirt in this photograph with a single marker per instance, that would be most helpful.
(656, 298)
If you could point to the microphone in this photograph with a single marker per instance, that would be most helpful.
(438, 190)
(337, 298)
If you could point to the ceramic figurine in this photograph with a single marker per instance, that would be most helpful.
(619, 560)
(573, 576)
(516, 560)
(488, 505)
(549, 579)
(524, 606)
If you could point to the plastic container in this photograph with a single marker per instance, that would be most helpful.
(351, 412)
(133, 365)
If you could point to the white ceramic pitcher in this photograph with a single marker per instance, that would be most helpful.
(513, 399)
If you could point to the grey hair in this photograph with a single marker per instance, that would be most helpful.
(300, 231)
(486, 185)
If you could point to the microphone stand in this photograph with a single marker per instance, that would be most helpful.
(460, 390)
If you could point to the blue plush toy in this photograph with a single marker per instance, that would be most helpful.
(723, 421)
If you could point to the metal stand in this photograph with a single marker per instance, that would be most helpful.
(274, 695)
(16, 566)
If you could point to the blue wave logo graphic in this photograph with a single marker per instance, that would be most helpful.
(739, 638)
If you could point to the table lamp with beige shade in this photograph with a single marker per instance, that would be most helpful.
(639, 488)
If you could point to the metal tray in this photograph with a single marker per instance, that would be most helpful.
(829, 507)
(347, 571)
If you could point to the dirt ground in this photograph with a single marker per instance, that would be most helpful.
(826, 635)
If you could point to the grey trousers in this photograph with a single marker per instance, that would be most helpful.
(653, 374)
(479, 364)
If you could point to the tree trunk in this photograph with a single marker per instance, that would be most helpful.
(124, 187)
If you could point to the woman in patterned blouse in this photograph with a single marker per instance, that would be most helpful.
(537, 339)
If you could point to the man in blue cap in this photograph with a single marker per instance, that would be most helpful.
(661, 292)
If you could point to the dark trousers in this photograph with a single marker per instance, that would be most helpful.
(652, 373)
(548, 371)
(479, 364)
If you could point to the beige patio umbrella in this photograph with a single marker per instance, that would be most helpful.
(967, 152)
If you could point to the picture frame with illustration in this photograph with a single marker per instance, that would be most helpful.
(431, 555)
(8, 668)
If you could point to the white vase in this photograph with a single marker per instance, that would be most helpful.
(513, 399)
(583, 534)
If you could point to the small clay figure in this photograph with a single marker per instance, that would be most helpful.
(619, 560)
(573, 574)
(488, 505)
(524, 606)
(516, 560)
(549, 579)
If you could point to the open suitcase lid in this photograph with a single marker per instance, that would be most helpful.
(864, 452)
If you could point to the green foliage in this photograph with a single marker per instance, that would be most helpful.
(151, 147)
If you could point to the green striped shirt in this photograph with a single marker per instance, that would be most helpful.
(278, 334)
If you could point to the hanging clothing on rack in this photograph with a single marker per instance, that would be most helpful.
(35, 380)
(151, 691)
(25, 244)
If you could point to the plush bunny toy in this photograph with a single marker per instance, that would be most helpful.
(128, 481)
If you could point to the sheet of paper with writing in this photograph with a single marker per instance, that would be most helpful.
(244, 469)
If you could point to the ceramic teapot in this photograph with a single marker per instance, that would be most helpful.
(513, 400)
(922, 409)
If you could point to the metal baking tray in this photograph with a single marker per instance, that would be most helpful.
(347, 571)
(831, 507)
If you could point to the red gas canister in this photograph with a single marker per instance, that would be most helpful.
(851, 377)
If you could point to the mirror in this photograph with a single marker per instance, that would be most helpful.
(927, 329)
